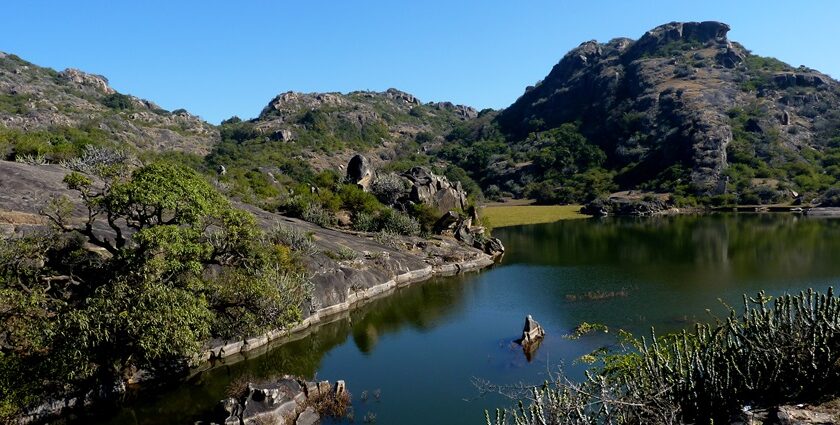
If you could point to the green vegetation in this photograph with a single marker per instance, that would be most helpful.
(515, 215)
(763, 170)
(118, 101)
(75, 318)
(772, 353)
(560, 164)
(13, 104)
(59, 144)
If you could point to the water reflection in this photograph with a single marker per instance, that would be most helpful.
(685, 249)
(424, 344)
(420, 307)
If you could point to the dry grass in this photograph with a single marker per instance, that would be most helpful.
(330, 404)
(19, 218)
(504, 216)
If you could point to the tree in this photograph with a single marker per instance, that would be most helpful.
(72, 318)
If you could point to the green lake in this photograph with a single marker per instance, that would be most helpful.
(421, 348)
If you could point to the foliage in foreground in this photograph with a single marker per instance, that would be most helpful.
(173, 264)
(775, 352)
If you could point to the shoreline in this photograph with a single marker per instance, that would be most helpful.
(325, 314)
(236, 351)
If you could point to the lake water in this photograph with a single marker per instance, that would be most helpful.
(422, 348)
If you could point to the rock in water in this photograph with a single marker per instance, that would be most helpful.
(532, 331)
(360, 172)
(494, 246)
(532, 336)
(285, 401)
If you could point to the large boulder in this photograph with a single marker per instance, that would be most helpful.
(360, 172)
(284, 401)
(434, 190)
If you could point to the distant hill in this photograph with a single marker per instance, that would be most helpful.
(299, 134)
(681, 110)
(74, 108)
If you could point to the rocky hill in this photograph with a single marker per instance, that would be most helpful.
(81, 107)
(682, 109)
(300, 134)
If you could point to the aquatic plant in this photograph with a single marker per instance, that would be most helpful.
(776, 351)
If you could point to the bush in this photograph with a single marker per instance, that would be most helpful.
(295, 239)
(388, 188)
(772, 353)
(388, 220)
(396, 222)
(426, 215)
(318, 215)
(97, 160)
(364, 222)
(118, 101)
(356, 200)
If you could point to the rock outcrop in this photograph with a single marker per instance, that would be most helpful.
(532, 337)
(436, 191)
(624, 204)
(531, 332)
(669, 105)
(285, 401)
(45, 100)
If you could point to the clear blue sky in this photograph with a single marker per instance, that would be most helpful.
(219, 59)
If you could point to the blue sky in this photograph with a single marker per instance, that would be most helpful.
(219, 59)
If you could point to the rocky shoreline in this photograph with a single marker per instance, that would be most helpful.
(353, 300)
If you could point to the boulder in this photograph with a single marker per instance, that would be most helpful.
(308, 417)
(446, 222)
(360, 172)
(532, 336)
(531, 332)
(433, 190)
(493, 246)
(284, 401)
(463, 231)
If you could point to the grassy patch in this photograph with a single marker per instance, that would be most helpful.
(503, 216)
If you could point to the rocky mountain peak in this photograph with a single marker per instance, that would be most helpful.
(83, 80)
(685, 100)
(686, 32)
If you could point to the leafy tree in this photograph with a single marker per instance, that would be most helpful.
(71, 318)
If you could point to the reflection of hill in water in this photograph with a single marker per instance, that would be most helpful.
(421, 307)
(697, 249)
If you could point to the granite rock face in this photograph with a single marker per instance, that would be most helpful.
(668, 100)
(434, 190)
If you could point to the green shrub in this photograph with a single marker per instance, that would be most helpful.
(295, 239)
(356, 200)
(318, 215)
(118, 101)
(398, 223)
(774, 352)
